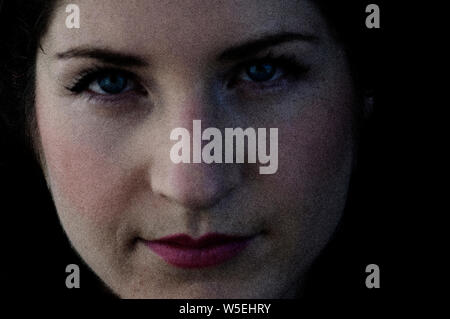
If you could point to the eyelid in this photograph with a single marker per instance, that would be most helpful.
(87, 76)
(94, 86)
(288, 63)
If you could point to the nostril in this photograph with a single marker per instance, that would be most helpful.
(203, 195)
(196, 186)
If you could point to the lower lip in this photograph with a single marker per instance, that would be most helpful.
(187, 257)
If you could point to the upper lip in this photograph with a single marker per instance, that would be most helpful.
(208, 240)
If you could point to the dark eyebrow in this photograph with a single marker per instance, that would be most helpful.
(104, 55)
(252, 47)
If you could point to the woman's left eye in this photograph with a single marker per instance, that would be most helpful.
(112, 83)
(262, 72)
(268, 72)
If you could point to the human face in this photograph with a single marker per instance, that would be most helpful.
(106, 155)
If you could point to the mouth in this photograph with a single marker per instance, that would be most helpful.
(212, 249)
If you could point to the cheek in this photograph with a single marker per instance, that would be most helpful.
(316, 149)
(82, 179)
(316, 155)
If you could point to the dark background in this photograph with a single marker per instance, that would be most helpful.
(381, 223)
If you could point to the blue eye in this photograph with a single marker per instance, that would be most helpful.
(269, 70)
(105, 82)
(110, 84)
(260, 72)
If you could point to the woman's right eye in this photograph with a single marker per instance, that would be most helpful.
(111, 84)
(107, 82)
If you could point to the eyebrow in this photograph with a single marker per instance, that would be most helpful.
(105, 55)
(253, 47)
(237, 52)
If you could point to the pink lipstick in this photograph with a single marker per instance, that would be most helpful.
(186, 252)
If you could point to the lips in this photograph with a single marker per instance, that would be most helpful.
(209, 250)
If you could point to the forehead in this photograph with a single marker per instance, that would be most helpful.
(178, 26)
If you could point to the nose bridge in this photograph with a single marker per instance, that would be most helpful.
(192, 185)
(186, 97)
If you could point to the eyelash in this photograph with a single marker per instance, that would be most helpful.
(291, 68)
(86, 77)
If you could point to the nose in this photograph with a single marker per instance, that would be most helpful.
(192, 185)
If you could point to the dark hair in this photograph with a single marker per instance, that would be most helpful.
(23, 23)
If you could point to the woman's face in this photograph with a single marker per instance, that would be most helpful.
(108, 96)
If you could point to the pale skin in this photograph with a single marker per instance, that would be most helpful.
(106, 156)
